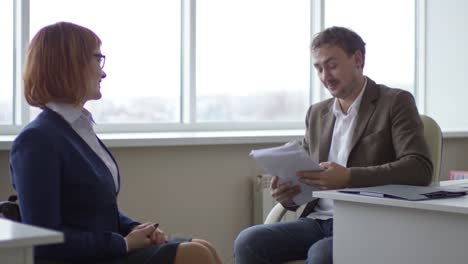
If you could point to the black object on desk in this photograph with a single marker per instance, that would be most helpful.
(407, 192)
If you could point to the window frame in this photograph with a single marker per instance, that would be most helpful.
(188, 75)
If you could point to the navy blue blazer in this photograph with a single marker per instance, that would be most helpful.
(63, 185)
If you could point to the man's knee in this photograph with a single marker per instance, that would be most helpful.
(321, 252)
(247, 239)
(251, 245)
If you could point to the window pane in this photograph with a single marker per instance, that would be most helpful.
(253, 60)
(141, 41)
(389, 33)
(6, 62)
(446, 75)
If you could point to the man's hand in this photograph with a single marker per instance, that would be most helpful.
(284, 192)
(334, 176)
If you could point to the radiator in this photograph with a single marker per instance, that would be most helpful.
(263, 202)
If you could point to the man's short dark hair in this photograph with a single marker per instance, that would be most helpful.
(342, 37)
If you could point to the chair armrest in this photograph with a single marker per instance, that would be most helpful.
(276, 214)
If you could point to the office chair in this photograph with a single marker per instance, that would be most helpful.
(433, 137)
(10, 209)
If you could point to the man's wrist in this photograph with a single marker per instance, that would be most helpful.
(348, 177)
(290, 205)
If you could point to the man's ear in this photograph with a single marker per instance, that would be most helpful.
(358, 59)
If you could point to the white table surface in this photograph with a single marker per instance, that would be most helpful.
(14, 234)
(370, 230)
(451, 205)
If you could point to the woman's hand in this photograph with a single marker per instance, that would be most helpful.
(140, 236)
(158, 236)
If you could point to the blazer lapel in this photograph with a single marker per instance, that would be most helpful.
(328, 123)
(71, 134)
(115, 162)
(366, 110)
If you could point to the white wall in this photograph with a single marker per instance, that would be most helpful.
(205, 191)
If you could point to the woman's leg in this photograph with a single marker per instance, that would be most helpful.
(210, 247)
(193, 252)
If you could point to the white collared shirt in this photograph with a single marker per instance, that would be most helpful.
(345, 124)
(82, 122)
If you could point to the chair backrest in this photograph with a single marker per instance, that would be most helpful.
(433, 136)
(10, 209)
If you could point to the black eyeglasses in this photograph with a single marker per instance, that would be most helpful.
(101, 58)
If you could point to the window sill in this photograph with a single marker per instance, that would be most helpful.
(203, 138)
(186, 138)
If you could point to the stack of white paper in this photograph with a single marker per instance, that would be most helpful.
(284, 161)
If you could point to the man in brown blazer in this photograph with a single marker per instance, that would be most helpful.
(366, 135)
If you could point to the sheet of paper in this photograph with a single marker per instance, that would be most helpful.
(284, 161)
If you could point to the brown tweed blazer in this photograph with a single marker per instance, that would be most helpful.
(388, 145)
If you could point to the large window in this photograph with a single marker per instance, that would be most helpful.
(208, 64)
(252, 60)
(447, 56)
(6, 62)
(141, 41)
(388, 29)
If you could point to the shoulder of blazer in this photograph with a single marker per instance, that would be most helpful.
(375, 91)
(49, 119)
(321, 108)
(52, 125)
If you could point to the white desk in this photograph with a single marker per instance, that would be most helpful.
(17, 241)
(381, 230)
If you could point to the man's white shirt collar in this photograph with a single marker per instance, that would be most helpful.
(354, 107)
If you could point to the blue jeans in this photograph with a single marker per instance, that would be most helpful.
(303, 238)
